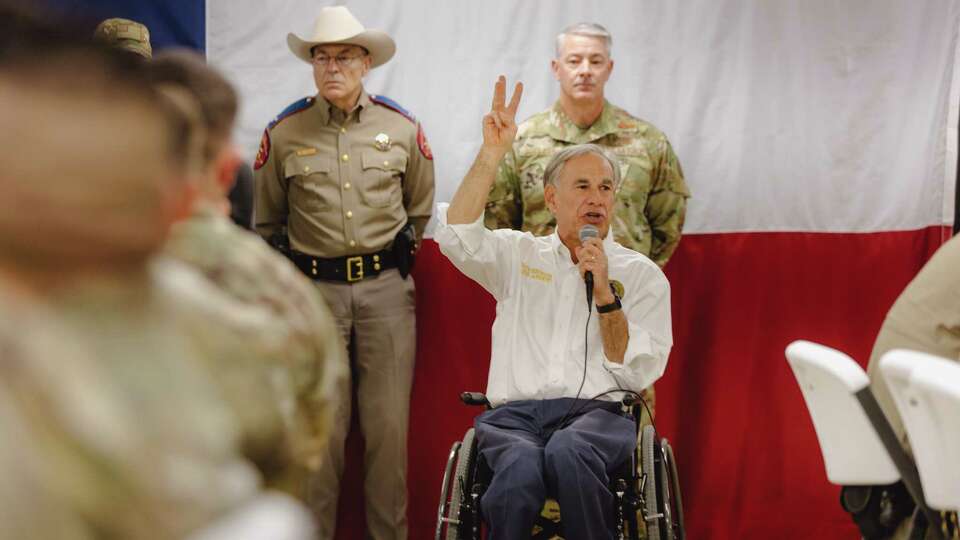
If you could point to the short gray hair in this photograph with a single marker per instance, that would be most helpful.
(555, 166)
(586, 29)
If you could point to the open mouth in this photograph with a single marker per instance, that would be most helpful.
(594, 218)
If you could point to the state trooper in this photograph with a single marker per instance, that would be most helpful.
(344, 186)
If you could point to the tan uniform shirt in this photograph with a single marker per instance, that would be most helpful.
(925, 317)
(344, 184)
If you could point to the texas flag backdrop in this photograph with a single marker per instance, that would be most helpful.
(818, 138)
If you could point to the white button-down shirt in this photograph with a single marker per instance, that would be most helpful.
(538, 334)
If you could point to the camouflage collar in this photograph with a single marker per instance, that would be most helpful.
(563, 129)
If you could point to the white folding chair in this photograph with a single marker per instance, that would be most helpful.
(926, 390)
(829, 380)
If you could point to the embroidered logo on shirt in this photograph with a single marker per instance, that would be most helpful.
(535, 273)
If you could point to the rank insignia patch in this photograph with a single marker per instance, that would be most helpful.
(264, 152)
(423, 144)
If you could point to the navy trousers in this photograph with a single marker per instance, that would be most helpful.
(531, 455)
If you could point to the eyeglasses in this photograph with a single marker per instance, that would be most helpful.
(342, 60)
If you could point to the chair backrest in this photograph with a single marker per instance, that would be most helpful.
(926, 389)
(829, 380)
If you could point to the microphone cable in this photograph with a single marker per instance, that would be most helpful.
(583, 379)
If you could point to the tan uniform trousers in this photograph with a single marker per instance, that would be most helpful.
(380, 311)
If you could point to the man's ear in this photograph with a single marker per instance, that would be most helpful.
(179, 199)
(555, 68)
(550, 197)
(367, 62)
(227, 163)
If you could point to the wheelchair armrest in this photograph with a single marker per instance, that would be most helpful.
(474, 398)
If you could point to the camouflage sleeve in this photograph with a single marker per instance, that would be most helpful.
(270, 190)
(418, 182)
(30, 507)
(504, 209)
(667, 204)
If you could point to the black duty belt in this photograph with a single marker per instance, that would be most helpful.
(345, 269)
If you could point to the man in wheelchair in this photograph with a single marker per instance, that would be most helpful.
(557, 371)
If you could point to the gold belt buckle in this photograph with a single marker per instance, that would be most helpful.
(354, 262)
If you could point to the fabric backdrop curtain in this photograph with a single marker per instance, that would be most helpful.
(818, 138)
(814, 138)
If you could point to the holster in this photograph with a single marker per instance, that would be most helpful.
(280, 242)
(405, 249)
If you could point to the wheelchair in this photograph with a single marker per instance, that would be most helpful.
(647, 489)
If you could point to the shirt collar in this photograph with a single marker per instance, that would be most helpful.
(562, 128)
(325, 108)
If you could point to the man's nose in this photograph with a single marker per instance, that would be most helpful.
(593, 197)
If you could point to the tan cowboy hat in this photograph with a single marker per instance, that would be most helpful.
(337, 25)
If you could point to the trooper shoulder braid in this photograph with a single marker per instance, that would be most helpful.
(388, 103)
(384, 101)
(292, 109)
(263, 152)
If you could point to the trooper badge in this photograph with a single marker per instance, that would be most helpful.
(382, 142)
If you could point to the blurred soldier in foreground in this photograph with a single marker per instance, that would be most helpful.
(127, 434)
(240, 264)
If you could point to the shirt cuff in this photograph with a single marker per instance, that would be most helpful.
(642, 363)
(468, 235)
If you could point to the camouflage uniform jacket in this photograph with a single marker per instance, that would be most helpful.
(246, 269)
(651, 200)
(126, 436)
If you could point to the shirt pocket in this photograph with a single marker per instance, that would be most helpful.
(312, 182)
(381, 185)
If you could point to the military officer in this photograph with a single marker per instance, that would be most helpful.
(651, 200)
(344, 185)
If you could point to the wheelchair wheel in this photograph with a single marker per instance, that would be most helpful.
(665, 501)
(462, 482)
(444, 488)
(674, 498)
(650, 510)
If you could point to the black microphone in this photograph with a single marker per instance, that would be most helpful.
(589, 231)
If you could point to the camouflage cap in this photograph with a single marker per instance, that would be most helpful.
(125, 34)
